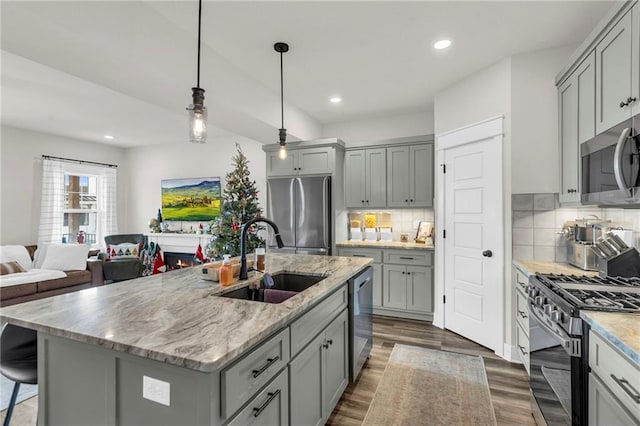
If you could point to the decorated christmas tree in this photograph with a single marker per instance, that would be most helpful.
(239, 205)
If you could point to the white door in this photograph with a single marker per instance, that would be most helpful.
(473, 241)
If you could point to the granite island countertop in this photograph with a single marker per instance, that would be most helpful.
(385, 245)
(620, 329)
(176, 317)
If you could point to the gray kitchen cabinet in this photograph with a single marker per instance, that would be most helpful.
(604, 409)
(576, 107)
(410, 176)
(268, 408)
(376, 255)
(300, 162)
(395, 287)
(319, 374)
(377, 284)
(419, 289)
(614, 69)
(365, 178)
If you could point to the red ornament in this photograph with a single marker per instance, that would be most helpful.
(235, 226)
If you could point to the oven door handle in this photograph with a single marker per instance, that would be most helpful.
(617, 161)
(571, 345)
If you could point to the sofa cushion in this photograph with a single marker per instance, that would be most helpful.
(66, 257)
(10, 268)
(18, 290)
(72, 278)
(18, 254)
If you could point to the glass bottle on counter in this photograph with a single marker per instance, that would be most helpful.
(226, 271)
(260, 255)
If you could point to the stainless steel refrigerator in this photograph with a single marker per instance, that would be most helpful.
(301, 207)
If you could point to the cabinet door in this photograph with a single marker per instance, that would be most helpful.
(376, 178)
(635, 59)
(421, 175)
(278, 167)
(585, 78)
(568, 121)
(336, 361)
(394, 287)
(420, 288)
(604, 408)
(523, 347)
(306, 373)
(355, 178)
(613, 75)
(377, 285)
(398, 176)
(314, 161)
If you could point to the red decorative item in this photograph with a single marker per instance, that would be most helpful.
(80, 237)
(158, 265)
(234, 226)
(199, 254)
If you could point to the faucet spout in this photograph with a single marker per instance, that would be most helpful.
(243, 242)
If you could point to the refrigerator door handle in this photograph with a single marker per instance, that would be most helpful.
(292, 208)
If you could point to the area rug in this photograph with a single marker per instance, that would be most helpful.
(6, 388)
(429, 387)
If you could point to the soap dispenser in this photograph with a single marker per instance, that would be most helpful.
(226, 271)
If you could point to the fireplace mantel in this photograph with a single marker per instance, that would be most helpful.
(179, 243)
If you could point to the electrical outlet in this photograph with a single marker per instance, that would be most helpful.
(156, 390)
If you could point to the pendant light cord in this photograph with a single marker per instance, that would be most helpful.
(281, 93)
(199, 24)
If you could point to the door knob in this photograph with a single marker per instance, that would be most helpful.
(487, 253)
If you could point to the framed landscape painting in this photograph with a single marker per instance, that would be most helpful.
(191, 199)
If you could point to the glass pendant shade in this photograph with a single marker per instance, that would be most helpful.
(197, 124)
(283, 152)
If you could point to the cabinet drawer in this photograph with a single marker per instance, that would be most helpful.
(522, 311)
(305, 328)
(376, 255)
(604, 408)
(522, 346)
(521, 281)
(270, 407)
(244, 378)
(616, 371)
(408, 257)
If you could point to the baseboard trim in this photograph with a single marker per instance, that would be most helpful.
(510, 354)
(402, 314)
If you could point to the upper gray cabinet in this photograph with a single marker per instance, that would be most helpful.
(365, 178)
(410, 176)
(299, 162)
(577, 124)
(615, 68)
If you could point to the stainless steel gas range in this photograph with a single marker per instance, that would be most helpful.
(559, 346)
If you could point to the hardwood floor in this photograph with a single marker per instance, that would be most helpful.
(508, 383)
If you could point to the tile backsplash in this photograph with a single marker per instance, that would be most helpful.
(402, 220)
(537, 220)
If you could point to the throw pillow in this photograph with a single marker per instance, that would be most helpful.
(40, 254)
(124, 251)
(10, 268)
(16, 254)
(66, 257)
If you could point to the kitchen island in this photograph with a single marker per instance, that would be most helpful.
(168, 349)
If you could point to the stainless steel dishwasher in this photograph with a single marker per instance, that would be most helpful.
(360, 320)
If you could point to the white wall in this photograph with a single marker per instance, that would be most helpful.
(21, 178)
(149, 165)
(370, 130)
(534, 120)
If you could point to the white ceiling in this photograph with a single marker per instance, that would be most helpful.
(87, 68)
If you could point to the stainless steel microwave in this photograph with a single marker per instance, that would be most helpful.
(610, 172)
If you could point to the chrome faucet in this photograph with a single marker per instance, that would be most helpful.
(243, 242)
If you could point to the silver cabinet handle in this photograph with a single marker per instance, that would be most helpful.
(626, 386)
(272, 396)
(270, 362)
(406, 258)
(522, 350)
(522, 314)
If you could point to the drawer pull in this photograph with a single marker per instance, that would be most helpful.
(406, 258)
(358, 255)
(270, 362)
(523, 285)
(626, 386)
(523, 351)
(522, 314)
(272, 396)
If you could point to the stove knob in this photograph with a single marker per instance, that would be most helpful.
(538, 300)
(556, 316)
(547, 309)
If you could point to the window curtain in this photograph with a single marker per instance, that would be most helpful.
(107, 204)
(51, 202)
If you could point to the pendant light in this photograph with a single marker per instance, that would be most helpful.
(282, 48)
(197, 110)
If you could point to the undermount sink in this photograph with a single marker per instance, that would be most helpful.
(285, 284)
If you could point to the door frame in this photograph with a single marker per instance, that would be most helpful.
(492, 128)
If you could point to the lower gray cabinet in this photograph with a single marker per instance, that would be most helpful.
(408, 287)
(269, 408)
(395, 287)
(604, 408)
(319, 374)
(377, 284)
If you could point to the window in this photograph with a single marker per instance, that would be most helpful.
(80, 208)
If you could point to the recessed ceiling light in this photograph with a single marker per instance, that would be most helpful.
(108, 137)
(442, 44)
(335, 100)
